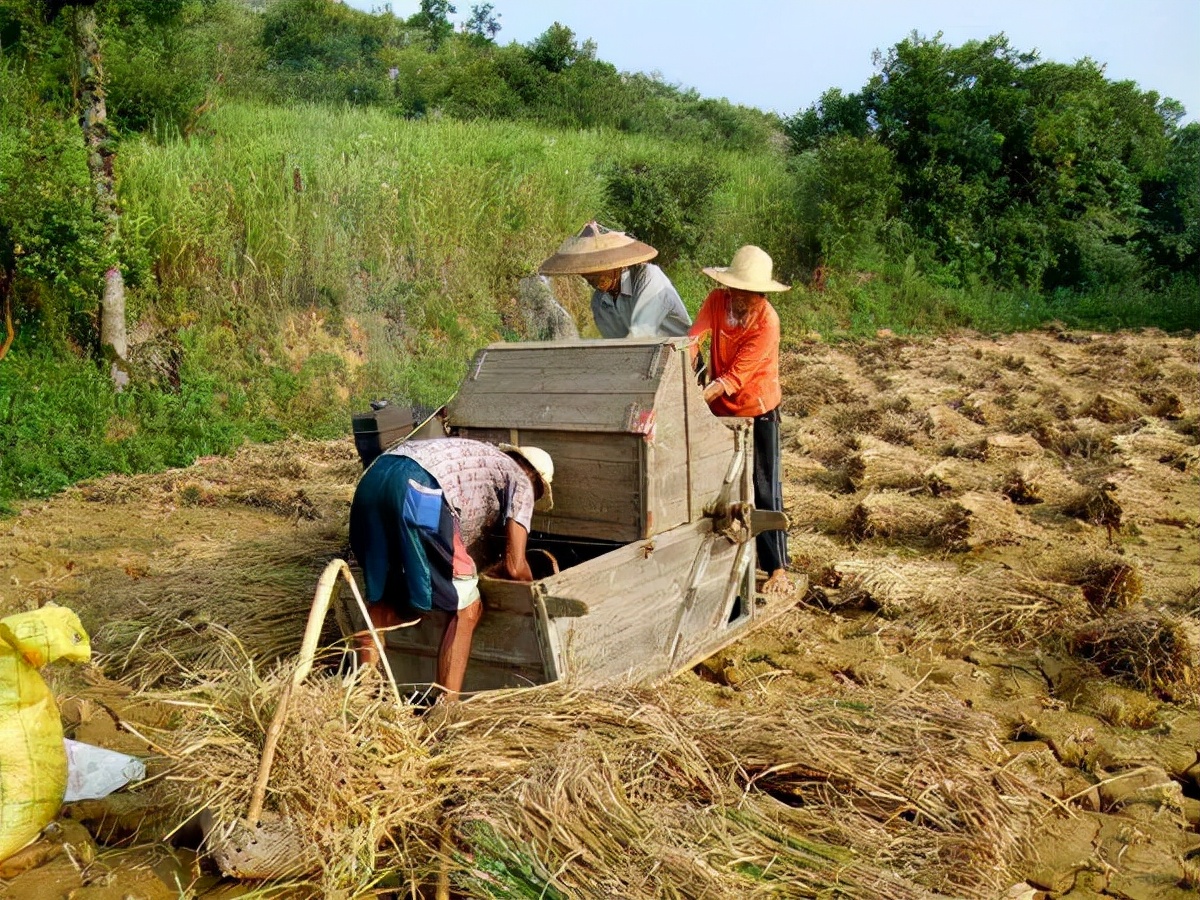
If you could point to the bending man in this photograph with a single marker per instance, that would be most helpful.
(631, 297)
(744, 367)
(420, 519)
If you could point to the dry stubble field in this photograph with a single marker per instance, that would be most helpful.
(989, 690)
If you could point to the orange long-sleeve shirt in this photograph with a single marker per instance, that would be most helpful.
(744, 357)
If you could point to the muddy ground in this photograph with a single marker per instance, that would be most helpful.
(1009, 522)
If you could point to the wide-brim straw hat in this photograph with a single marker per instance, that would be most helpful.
(597, 249)
(749, 271)
(541, 462)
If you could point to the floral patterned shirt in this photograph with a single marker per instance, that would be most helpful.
(483, 485)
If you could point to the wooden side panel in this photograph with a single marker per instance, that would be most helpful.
(723, 600)
(565, 412)
(666, 469)
(597, 481)
(573, 386)
(591, 367)
(506, 651)
(635, 597)
(711, 448)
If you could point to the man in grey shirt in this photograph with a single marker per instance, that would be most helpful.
(631, 296)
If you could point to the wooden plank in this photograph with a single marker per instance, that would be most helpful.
(585, 343)
(666, 454)
(767, 608)
(419, 672)
(523, 597)
(506, 651)
(505, 638)
(588, 370)
(687, 387)
(547, 640)
(583, 447)
(709, 619)
(627, 569)
(710, 447)
(503, 595)
(684, 622)
(616, 412)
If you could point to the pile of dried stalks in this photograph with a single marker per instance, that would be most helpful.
(294, 477)
(987, 602)
(629, 792)
(1156, 650)
(172, 618)
(1108, 580)
(902, 517)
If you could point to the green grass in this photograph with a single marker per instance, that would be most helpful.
(62, 422)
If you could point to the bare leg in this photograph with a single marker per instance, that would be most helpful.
(778, 583)
(382, 616)
(456, 649)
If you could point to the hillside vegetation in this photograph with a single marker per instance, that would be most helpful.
(319, 206)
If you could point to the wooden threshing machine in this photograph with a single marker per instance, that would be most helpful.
(652, 526)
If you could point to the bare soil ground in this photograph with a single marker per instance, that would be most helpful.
(1006, 527)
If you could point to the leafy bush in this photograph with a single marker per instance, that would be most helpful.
(847, 192)
(666, 202)
(50, 237)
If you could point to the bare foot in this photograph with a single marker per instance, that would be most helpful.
(778, 583)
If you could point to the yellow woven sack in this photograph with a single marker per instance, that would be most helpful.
(33, 761)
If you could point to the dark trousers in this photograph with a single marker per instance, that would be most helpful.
(768, 490)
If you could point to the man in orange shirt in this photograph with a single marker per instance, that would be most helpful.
(744, 367)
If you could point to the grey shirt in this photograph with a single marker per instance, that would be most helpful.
(646, 305)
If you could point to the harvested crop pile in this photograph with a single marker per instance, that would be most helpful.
(1156, 651)
(631, 793)
(1001, 606)
(256, 590)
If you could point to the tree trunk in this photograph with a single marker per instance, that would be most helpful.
(94, 123)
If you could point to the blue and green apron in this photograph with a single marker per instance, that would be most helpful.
(402, 534)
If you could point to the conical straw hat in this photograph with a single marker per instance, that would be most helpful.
(597, 249)
(749, 271)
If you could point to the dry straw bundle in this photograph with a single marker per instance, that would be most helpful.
(165, 622)
(348, 777)
(293, 477)
(624, 792)
(1108, 580)
(989, 602)
(812, 507)
(1155, 650)
(901, 517)
(878, 465)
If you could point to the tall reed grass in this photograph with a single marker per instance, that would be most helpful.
(419, 230)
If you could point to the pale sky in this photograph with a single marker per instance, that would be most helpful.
(782, 55)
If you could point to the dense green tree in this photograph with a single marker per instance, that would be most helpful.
(317, 34)
(434, 19)
(484, 22)
(834, 114)
(51, 240)
(666, 202)
(1012, 170)
(556, 49)
(58, 242)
